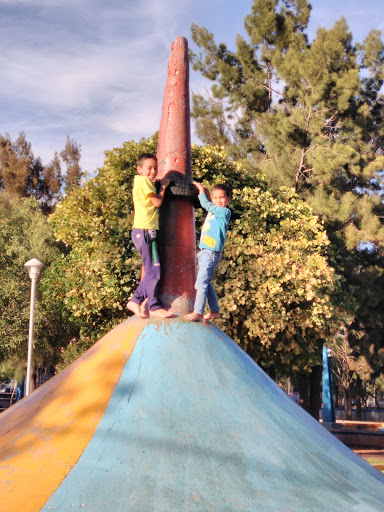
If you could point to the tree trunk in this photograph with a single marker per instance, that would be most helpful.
(302, 387)
(358, 408)
(347, 403)
(315, 392)
(337, 396)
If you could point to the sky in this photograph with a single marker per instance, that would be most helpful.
(95, 70)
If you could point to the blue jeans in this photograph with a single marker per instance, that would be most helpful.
(208, 261)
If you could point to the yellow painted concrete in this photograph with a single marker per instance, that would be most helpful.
(43, 436)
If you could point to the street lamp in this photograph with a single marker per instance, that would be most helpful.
(34, 266)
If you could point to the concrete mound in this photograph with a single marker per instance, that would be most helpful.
(174, 416)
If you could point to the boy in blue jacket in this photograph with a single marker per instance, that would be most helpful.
(211, 246)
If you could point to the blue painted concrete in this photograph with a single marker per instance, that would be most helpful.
(195, 425)
(327, 392)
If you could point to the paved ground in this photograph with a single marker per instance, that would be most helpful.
(374, 457)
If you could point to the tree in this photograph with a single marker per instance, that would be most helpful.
(71, 155)
(308, 116)
(16, 166)
(25, 233)
(52, 183)
(24, 175)
(324, 135)
(351, 371)
(95, 280)
(279, 296)
(245, 79)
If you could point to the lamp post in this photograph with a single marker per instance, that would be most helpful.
(34, 266)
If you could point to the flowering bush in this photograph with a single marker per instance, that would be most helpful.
(275, 286)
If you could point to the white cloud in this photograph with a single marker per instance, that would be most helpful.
(74, 80)
(96, 70)
(96, 73)
(31, 3)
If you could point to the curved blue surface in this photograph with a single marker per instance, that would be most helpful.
(195, 425)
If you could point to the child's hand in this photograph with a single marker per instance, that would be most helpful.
(157, 199)
(207, 193)
(164, 183)
(199, 187)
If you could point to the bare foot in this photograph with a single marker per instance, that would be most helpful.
(161, 313)
(144, 309)
(135, 308)
(194, 317)
(211, 316)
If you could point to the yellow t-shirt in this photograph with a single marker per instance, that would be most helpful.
(146, 214)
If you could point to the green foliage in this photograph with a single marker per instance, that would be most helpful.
(93, 282)
(71, 155)
(278, 315)
(322, 133)
(309, 115)
(279, 297)
(24, 234)
(24, 175)
(244, 80)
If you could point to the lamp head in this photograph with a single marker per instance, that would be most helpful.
(34, 266)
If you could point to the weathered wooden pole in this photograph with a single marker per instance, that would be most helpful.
(177, 216)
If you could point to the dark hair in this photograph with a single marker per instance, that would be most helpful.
(145, 156)
(222, 186)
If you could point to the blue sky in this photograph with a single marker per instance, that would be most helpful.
(95, 69)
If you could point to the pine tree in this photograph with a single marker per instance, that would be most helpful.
(16, 162)
(323, 133)
(23, 175)
(71, 155)
(52, 182)
(25, 231)
(245, 79)
(309, 116)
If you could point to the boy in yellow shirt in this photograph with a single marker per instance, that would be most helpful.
(145, 235)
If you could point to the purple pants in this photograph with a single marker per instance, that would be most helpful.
(146, 242)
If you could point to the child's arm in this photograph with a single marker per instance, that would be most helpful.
(206, 203)
(157, 199)
(202, 190)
